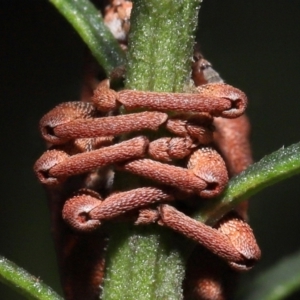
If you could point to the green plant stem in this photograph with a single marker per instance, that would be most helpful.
(88, 23)
(24, 283)
(147, 262)
(161, 44)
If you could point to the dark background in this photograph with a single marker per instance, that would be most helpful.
(255, 45)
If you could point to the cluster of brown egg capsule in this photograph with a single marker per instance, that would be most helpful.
(84, 141)
(180, 164)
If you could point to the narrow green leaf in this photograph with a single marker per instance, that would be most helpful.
(24, 283)
(271, 169)
(276, 283)
(88, 23)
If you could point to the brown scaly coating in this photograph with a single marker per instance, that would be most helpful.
(231, 240)
(80, 256)
(216, 99)
(205, 176)
(168, 149)
(64, 166)
(114, 125)
(191, 180)
(231, 136)
(207, 277)
(86, 212)
(198, 127)
(62, 114)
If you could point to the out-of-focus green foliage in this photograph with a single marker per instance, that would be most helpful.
(24, 283)
(278, 282)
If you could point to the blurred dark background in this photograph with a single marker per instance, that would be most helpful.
(254, 45)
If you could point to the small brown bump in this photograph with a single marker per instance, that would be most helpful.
(208, 165)
(166, 174)
(180, 148)
(167, 149)
(62, 114)
(242, 238)
(214, 240)
(177, 126)
(76, 212)
(111, 126)
(198, 127)
(176, 102)
(120, 203)
(44, 164)
(84, 162)
(224, 91)
(104, 98)
(158, 149)
(147, 216)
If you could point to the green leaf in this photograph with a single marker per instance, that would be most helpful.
(88, 23)
(24, 283)
(271, 169)
(161, 44)
(278, 282)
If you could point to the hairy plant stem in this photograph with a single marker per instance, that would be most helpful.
(148, 262)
